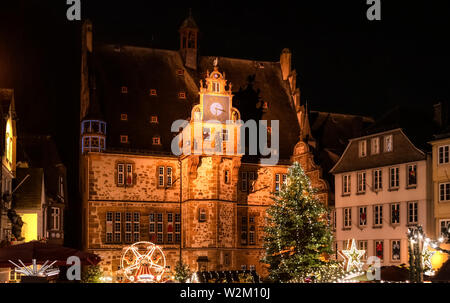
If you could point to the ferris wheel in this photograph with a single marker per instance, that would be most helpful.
(143, 262)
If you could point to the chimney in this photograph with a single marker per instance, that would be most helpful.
(285, 62)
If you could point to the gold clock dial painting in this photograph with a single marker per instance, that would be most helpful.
(216, 108)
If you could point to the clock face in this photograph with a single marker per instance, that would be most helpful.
(216, 108)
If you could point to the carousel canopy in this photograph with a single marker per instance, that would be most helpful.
(42, 252)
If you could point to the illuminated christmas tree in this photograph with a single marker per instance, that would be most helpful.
(298, 236)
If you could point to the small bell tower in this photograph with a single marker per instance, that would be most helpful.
(189, 41)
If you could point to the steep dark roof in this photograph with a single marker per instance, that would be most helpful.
(141, 69)
(28, 195)
(415, 119)
(332, 132)
(403, 151)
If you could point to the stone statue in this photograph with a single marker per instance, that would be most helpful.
(17, 223)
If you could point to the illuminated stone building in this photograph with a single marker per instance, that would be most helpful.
(208, 207)
(8, 153)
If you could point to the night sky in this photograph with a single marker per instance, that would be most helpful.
(344, 62)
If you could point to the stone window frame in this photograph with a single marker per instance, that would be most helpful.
(123, 117)
(251, 229)
(165, 176)
(124, 139)
(182, 95)
(153, 92)
(227, 176)
(154, 119)
(124, 89)
(280, 179)
(156, 140)
(180, 72)
(202, 214)
(125, 165)
(117, 232)
(170, 230)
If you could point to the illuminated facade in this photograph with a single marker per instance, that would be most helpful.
(382, 188)
(441, 188)
(8, 148)
(209, 203)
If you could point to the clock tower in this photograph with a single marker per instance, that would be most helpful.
(210, 167)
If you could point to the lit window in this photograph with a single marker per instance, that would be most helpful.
(154, 119)
(251, 180)
(393, 177)
(180, 72)
(182, 95)
(378, 215)
(412, 175)
(123, 117)
(362, 148)
(136, 226)
(129, 174)
(379, 249)
(395, 252)
(346, 184)
(375, 148)
(153, 92)
(156, 141)
(124, 90)
(363, 216)
(443, 156)
(123, 139)
(388, 144)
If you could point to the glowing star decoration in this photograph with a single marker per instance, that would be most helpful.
(352, 257)
(426, 259)
(143, 262)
